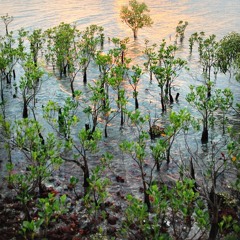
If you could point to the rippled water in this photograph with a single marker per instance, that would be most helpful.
(214, 17)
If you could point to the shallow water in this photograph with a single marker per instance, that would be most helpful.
(214, 17)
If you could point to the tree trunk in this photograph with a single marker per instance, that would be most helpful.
(204, 138)
(105, 131)
(14, 74)
(85, 76)
(168, 154)
(162, 100)
(176, 98)
(85, 176)
(135, 34)
(25, 110)
(158, 165)
(214, 226)
(136, 103)
(72, 89)
(163, 104)
(122, 117)
(151, 75)
(2, 97)
(122, 57)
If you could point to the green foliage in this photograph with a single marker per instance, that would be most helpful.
(40, 159)
(7, 20)
(228, 53)
(96, 194)
(31, 228)
(169, 206)
(134, 79)
(180, 30)
(135, 16)
(166, 70)
(51, 208)
(208, 105)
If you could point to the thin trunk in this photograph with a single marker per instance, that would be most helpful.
(158, 165)
(162, 100)
(151, 75)
(135, 34)
(204, 138)
(214, 225)
(136, 103)
(176, 98)
(122, 57)
(105, 131)
(14, 74)
(146, 195)
(72, 88)
(85, 175)
(2, 97)
(122, 117)
(25, 110)
(85, 76)
(168, 154)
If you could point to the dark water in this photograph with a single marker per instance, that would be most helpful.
(213, 17)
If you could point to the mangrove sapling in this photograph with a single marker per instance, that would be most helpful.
(50, 208)
(105, 63)
(160, 74)
(135, 16)
(97, 192)
(30, 229)
(29, 84)
(76, 151)
(36, 44)
(137, 151)
(225, 102)
(5, 133)
(108, 115)
(120, 50)
(196, 37)
(73, 181)
(122, 102)
(7, 20)
(158, 152)
(173, 66)
(134, 78)
(228, 53)
(96, 103)
(62, 118)
(207, 106)
(88, 142)
(180, 30)
(173, 213)
(116, 78)
(151, 55)
(217, 167)
(90, 39)
(8, 59)
(42, 157)
(60, 40)
(233, 148)
(38, 161)
(208, 55)
(177, 122)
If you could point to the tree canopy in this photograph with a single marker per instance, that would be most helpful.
(135, 16)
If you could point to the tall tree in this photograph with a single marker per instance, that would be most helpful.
(135, 16)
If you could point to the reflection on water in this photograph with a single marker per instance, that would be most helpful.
(216, 16)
